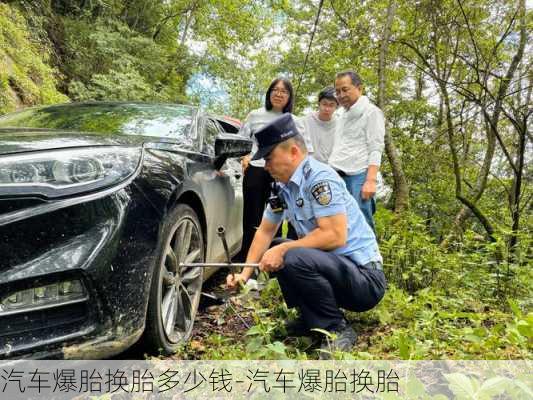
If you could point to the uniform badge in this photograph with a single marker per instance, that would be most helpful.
(300, 202)
(322, 193)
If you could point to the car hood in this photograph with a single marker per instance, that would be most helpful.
(18, 140)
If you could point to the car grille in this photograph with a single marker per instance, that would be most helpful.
(34, 326)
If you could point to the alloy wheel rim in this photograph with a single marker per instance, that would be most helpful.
(181, 288)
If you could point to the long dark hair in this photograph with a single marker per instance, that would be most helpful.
(288, 86)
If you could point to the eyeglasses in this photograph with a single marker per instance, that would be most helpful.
(280, 91)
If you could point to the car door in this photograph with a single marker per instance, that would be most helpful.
(232, 168)
(220, 195)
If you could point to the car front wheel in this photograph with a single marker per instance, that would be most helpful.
(175, 292)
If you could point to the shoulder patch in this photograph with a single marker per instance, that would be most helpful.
(322, 193)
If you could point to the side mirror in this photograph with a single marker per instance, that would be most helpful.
(229, 146)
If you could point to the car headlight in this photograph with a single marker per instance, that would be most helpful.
(60, 173)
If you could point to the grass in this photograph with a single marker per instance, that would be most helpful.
(457, 304)
(427, 325)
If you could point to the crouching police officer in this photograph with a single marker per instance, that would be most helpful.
(336, 261)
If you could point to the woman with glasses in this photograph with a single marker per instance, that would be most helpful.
(279, 99)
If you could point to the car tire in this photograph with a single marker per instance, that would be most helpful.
(175, 292)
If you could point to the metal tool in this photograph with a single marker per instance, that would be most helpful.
(221, 232)
(218, 265)
(223, 299)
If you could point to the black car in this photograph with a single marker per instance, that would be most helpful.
(99, 203)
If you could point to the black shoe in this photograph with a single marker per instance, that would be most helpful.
(344, 339)
(296, 327)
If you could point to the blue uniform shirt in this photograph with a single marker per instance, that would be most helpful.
(315, 190)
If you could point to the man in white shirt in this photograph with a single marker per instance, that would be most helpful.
(319, 127)
(359, 142)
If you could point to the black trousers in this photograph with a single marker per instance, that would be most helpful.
(256, 191)
(319, 283)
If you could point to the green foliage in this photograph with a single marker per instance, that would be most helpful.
(25, 77)
(411, 256)
(109, 61)
(442, 321)
(440, 304)
(414, 260)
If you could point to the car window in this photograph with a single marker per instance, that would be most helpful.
(211, 131)
(161, 120)
(229, 126)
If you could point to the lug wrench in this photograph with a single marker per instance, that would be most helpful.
(221, 232)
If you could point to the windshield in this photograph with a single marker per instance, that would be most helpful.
(161, 120)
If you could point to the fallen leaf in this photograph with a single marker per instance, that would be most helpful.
(197, 345)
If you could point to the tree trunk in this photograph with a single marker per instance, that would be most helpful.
(491, 122)
(401, 188)
(481, 183)
(517, 189)
(520, 126)
(471, 205)
(419, 85)
(188, 18)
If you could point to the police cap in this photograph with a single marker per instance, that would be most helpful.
(272, 134)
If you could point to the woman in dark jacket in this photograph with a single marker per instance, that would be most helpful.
(279, 99)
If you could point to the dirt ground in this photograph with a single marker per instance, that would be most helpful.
(229, 318)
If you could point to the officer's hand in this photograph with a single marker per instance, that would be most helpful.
(272, 259)
(245, 161)
(233, 281)
(368, 190)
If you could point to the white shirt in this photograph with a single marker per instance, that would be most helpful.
(359, 138)
(320, 133)
(256, 120)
